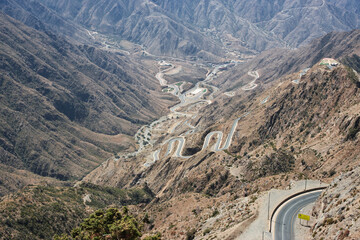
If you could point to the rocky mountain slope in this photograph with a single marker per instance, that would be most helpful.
(291, 23)
(35, 15)
(219, 21)
(79, 78)
(275, 63)
(138, 21)
(204, 29)
(337, 210)
(297, 22)
(299, 127)
(323, 98)
(31, 213)
(65, 107)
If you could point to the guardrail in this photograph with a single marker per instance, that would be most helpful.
(290, 197)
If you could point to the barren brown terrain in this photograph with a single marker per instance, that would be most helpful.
(191, 113)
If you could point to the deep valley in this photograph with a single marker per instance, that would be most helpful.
(195, 118)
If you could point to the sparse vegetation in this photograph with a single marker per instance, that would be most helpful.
(215, 213)
(352, 76)
(206, 231)
(109, 224)
(275, 163)
(190, 235)
(332, 172)
(352, 132)
(157, 236)
(253, 198)
(34, 210)
(329, 221)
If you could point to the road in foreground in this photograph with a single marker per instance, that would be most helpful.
(284, 221)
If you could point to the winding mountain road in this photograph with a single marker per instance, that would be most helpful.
(193, 96)
(188, 98)
(217, 147)
(285, 218)
(252, 84)
(179, 149)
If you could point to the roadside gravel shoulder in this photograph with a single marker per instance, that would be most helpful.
(260, 227)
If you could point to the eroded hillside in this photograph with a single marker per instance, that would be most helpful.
(177, 102)
(64, 107)
(300, 128)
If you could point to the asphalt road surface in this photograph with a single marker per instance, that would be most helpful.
(284, 222)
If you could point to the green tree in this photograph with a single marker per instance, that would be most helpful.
(110, 224)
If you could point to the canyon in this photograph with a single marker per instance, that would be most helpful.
(190, 112)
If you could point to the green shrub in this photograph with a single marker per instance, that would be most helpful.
(190, 235)
(215, 213)
(206, 231)
(109, 224)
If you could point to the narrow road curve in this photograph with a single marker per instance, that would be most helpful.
(217, 147)
(285, 218)
(179, 149)
(192, 96)
(252, 84)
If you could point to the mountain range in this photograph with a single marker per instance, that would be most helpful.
(202, 28)
(64, 107)
(189, 111)
(302, 122)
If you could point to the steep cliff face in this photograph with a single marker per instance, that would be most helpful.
(317, 99)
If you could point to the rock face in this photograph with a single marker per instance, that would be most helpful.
(64, 107)
(259, 23)
(38, 16)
